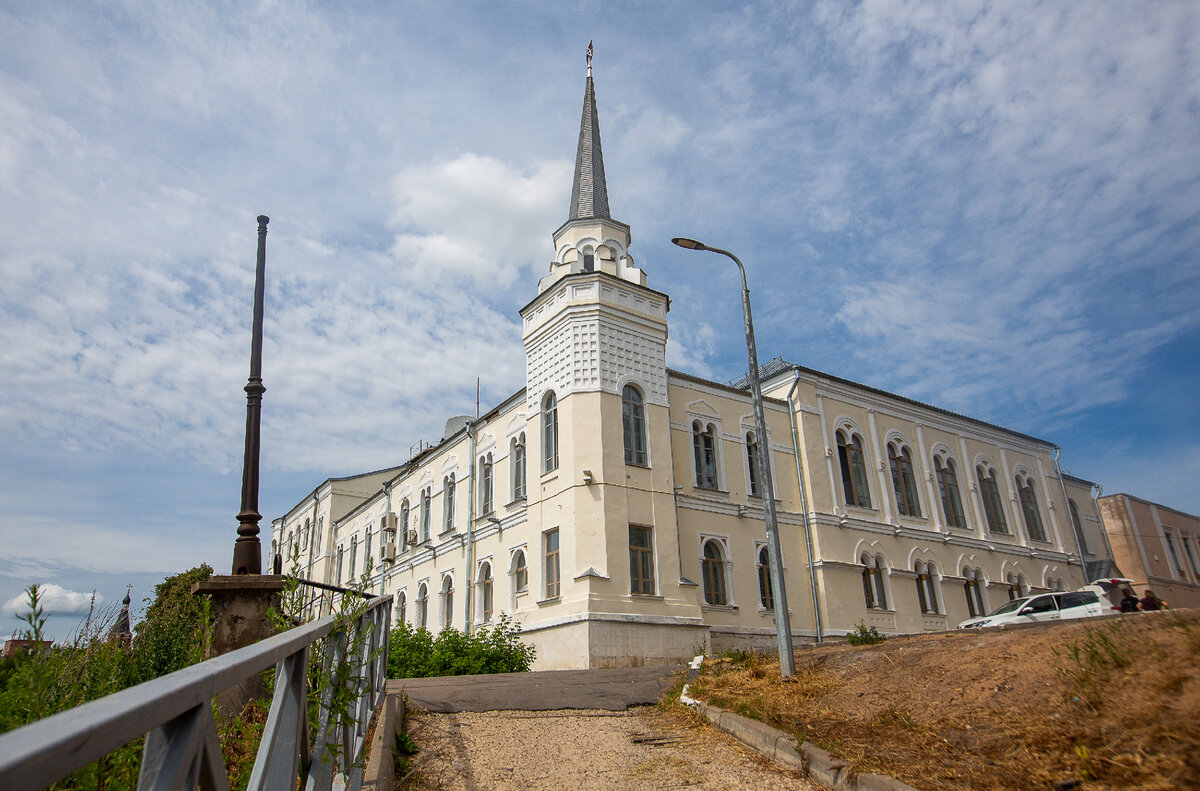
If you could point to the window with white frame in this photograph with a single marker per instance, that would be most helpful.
(426, 512)
(874, 589)
(633, 425)
(404, 514)
(704, 451)
(974, 583)
(854, 468)
(484, 591)
(368, 563)
(1029, 507)
(904, 481)
(549, 432)
(766, 593)
(947, 479)
(353, 557)
(402, 606)
(338, 566)
(753, 476)
(927, 587)
(517, 466)
(448, 502)
(713, 563)
(447, 602)
(485, 484)
(993, 506)
(317, 539)
(422, 606)
(519, 570)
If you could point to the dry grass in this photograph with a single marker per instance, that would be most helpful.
(1113, 703)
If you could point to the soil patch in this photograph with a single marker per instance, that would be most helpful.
(1111, 703)
(589, 750)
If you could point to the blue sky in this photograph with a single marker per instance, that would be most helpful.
(991, 207)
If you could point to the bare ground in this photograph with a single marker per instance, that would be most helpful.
(1112, 703)
(642, 748)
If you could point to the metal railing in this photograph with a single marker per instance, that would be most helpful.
(175, 713)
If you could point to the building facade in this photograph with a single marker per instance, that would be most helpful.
(613, 506)
(1155, 546)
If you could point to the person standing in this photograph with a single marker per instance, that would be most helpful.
(1129, 602)
(1151, 602)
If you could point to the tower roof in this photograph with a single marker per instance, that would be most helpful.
(589, 195)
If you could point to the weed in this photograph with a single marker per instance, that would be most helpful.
(1086, 663)
(864, 635)
(1085, 761)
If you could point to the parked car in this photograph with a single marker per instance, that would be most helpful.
(1043, 607)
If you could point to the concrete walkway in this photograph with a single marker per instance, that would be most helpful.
(611, 690)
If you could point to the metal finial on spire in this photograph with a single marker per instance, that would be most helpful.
(589, 59)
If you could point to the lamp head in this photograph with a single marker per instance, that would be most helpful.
(689, 244)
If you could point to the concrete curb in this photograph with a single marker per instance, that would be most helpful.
(379, 773)
(806, 757)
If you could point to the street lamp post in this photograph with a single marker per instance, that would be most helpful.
(783, 625)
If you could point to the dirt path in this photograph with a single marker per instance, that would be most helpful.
(641, 748)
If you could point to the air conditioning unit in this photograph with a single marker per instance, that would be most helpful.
(388, 523)
(411, 537)
(389, 551)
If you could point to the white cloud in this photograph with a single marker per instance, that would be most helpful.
(54, 600)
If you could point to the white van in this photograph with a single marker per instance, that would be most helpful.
(1043, 607)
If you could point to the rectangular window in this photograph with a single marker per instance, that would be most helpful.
(553, 579)
(1187, 550)
(641, 560)
(1176, 566)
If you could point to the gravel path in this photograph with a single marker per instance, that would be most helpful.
(642, 748)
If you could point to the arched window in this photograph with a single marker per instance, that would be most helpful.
(448, 502)
(1029, 508)
(927, 586)
(353, 557)
(550, 432)
(903, 481)
(317, 538)
(872, 577)
(704, 447)
(519, 571)
(404, 513)
(752, 471)
(485, 484)
(714, 573)
(368, 565)
(338, 566)
(516, 461)
(485, 591)
(447, 602)
(993, 506)
(306, 534)
(402, 606)
(1078, 525)
(423, 606)
(974, 586)
(633, 423)
(948, 487)
(1018, 586)
(766, 594)
(426, 507)
(854, 469)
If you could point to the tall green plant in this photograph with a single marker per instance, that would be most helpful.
(415, 653)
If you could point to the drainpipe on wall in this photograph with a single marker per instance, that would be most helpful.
(470, 524)
(1076, 529)
(812, 575)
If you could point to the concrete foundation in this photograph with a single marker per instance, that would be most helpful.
(598, 642)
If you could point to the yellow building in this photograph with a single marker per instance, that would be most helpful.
(612, 505)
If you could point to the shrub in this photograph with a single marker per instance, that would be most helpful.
(415, 653)
(864, 635)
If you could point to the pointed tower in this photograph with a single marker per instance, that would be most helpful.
(596, 388)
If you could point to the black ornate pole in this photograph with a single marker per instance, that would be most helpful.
(247, 551)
